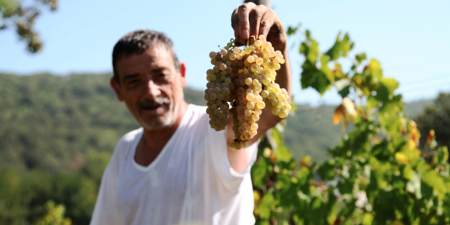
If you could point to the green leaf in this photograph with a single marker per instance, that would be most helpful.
(284, 181)
(340, 47)
(312, 77)
(345, 187)
(302, 48)
(307, 75)
(327, 170)
(432, 179)
(381, 151)
(259, 173)
(325, 69)
(375, 69)
(446, 203)
(372, 102)
(304, 177)
(392, 106)
(345, 91)
(283, 154)
(265, 206)
(442, 154)
(308, 34)
(292, 30)
(408, 172)
(277, 136)
(385, 88)
(367, 219)
(313, 51)
(321, 83)
(360, 57)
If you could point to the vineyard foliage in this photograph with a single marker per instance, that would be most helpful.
(376, 175)
(54, 215)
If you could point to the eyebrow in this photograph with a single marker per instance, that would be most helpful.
(134, 75)
(157, 70)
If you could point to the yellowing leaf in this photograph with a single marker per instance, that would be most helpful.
(401, 158)
(397, 222)
(411, 144)
(337, 113)
(305, 161)
(349, 106)
(256, 195)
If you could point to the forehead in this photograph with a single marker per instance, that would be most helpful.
(153, 58)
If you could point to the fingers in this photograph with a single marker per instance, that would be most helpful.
(235, 26)
(244, 24)
(255, 18)
(266, 23)
(250, 19)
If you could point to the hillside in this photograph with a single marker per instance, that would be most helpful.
(53, 122)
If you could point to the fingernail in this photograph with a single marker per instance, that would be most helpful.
(245, 34)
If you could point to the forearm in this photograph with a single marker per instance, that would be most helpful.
(238, 159)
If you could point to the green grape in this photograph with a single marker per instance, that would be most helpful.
(246, 86)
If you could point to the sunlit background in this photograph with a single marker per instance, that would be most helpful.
(57, 133)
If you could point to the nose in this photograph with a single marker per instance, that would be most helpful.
(152, 90)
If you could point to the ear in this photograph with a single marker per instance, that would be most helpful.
(116, 88)
(183, 74)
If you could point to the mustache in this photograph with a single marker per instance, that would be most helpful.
(153, 103)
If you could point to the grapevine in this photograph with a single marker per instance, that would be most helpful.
(241, 84)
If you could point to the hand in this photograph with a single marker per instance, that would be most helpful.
(250, 19)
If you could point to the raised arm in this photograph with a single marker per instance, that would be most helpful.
(247, 20)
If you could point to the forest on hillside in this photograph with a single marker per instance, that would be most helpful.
(52, 122)
(58, 132)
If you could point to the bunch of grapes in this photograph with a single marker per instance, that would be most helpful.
(240, 85)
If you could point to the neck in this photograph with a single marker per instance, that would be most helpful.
(153, 141)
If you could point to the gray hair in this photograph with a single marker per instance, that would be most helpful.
(136, 42)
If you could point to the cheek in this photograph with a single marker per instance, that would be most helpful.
(131, 97)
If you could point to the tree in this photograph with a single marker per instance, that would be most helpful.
(22, 16)
(436, 117)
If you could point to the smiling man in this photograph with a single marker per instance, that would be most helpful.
(175, 169)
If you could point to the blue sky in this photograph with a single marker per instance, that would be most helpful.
(411, 39)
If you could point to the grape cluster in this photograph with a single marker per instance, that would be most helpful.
(240, 85)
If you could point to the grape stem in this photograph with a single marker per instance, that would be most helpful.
(232, 43)
(248, 40)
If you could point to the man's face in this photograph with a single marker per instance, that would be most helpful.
(151, 87)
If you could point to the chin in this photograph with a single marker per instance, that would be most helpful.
(157, 124)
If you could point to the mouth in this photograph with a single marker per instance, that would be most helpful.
(151, 108)
(157, 106)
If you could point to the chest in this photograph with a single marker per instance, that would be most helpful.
(164, 182)
(153, 186)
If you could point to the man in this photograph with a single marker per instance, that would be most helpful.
(176, 169)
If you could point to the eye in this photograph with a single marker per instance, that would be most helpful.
(132, 82)
(162, 78)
